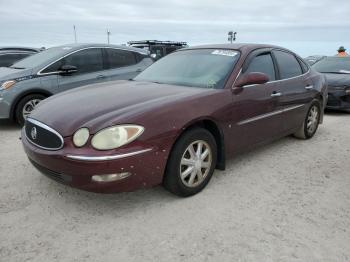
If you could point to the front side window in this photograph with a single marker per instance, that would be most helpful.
(86, 61)
(120, 58)
(288, 65)
(262, 64)
(205, 68)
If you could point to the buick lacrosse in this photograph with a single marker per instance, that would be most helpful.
(177, 121)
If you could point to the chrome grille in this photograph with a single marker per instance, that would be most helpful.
(42, 135)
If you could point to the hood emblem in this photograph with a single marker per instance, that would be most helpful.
(33, 133)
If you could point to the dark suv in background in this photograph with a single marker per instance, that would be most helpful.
(158, 49)
(10, 55)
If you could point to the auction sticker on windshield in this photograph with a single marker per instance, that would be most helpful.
(224, 52)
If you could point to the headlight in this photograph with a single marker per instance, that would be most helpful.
(347, 91)
(8, 84)
(115, 136)
(80, 137)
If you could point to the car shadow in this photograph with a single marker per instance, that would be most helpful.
(156, 196)
(336, 112)
(7, 125)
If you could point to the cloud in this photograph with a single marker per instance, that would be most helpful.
(48, 23)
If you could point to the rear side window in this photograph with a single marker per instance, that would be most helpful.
(288, 65)
(263, 64)
(86, 61)
(119, 58)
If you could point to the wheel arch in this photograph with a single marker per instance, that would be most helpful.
(36, 91)
(320, 99)
(210, 125)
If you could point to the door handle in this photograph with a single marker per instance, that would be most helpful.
(275, 94)
(138, 70)
(100, 76)
(309, 87)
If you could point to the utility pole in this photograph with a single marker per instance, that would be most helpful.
(75, 34)
(108, 34)
(232, 36)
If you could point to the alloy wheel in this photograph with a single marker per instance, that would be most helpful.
(29, 107)
(312, 119)
(195, 163)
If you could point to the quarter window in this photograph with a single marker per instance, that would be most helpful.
(120, 58)
(263, 64)
(288, 65)
(303, 66)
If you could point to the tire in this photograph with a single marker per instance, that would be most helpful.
(311, 122)
(27, 104)
(196, 172)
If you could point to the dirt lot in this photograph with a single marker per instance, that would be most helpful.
(288, 201)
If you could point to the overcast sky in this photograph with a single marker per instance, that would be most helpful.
(307, 27)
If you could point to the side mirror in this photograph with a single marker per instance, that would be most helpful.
(253, 78)
(68, 70)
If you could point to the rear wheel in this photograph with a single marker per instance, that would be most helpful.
(26, 105)
(191, 163)
(311, 122)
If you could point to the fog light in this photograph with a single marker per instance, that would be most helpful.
(110, 177)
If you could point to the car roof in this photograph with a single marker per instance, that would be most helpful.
(244, 47)
(75, 46)
(18, 48)
(52, 54)
(336, 57)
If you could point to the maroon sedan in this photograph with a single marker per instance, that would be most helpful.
(177, 121)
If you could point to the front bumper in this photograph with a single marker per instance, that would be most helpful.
(5, 108)
(146, 167)
(338, 99)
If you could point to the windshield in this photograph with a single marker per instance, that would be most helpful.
(40, 58)
(205, 68)
(336, 65)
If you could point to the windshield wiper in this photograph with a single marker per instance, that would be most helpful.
(15, 67)
(333, 72)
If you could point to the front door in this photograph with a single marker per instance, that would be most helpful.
(255, 113)
(89, 64)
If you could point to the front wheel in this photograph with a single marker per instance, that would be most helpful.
(191, 163)
(311, 122)
(26, 105)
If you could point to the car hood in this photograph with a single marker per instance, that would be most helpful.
(101, 105)
(7, 73)
(338, 80)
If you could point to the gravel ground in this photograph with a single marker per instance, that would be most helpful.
(287, 201)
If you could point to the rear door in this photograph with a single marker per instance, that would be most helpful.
(295, 88)
(89, 63)
(255, 107)
(122, 64)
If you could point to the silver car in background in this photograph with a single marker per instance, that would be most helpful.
(24, 84)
